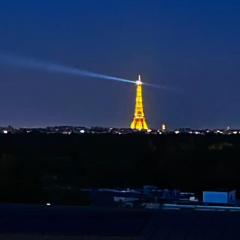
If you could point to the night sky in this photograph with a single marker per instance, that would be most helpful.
(193, 46)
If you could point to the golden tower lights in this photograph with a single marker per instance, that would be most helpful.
(139, 121)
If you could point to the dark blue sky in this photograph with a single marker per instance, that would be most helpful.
(190, 45)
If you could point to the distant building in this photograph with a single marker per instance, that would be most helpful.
(139, 120)
(219, 197)
(164, 128)
(112, 197)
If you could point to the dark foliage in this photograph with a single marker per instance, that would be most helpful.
(38, 167)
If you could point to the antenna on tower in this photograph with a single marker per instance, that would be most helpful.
(139, 81)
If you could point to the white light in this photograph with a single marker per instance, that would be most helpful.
(177, 132)
(5, 131)
(138, 82)
(67, 133)
(82, 131)
(235, 132)
(48, 204)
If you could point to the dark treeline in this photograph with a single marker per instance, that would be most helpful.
(36, 167)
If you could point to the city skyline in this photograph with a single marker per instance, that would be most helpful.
(184, 45)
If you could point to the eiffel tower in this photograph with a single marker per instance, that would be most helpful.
(139, 121)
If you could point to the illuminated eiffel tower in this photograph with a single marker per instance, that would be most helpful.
(139, 121)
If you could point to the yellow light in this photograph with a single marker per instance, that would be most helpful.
(139, 121)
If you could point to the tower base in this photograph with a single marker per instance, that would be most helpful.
(139, 124)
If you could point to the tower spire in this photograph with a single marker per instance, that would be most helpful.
(139, 121)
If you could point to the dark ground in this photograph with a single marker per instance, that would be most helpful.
(40, 222)
(36, 168)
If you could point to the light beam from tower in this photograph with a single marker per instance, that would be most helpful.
(139, 121)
